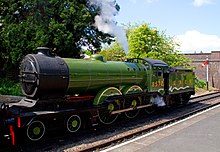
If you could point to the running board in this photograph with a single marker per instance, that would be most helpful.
(129, 109)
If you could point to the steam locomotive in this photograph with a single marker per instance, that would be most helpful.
(65, 93)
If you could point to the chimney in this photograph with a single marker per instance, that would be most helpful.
(44, 51)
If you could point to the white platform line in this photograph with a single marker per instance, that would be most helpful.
(148, 134)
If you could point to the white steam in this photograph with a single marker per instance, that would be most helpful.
(105, 22)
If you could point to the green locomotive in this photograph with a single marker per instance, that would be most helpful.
(46, 76)
(72, 91)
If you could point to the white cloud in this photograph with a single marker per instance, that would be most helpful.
(198, 3)
(195, 41)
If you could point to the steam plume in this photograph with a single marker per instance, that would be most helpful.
(106, 23)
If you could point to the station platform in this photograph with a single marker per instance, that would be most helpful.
(199, 133)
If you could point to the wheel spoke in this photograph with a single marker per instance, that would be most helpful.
(150, 110)
(133, 102)
(105, 115)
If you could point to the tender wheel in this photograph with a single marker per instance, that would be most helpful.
(185, 98)
(73, 123)
(35, 130)
(105, 115)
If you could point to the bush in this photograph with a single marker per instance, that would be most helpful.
(8, 87)
(200, 83)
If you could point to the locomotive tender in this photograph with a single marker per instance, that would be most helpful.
(67, 93)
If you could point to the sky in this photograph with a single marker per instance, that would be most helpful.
(194, 24)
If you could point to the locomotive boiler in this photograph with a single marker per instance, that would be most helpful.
(44, 75)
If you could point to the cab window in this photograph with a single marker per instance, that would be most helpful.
(158, 71)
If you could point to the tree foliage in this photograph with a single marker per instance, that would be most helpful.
(114, 52)
(10, 88)
(62, 25)
(147, 42)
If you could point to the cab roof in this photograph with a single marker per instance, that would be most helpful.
(152, 62)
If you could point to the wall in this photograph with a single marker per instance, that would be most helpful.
(213, 67)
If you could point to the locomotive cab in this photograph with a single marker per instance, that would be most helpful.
(156, 80)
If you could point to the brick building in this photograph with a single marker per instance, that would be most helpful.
(214, 67)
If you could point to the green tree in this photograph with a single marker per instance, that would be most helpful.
(114, 52)
(147, 42)
(62, 25)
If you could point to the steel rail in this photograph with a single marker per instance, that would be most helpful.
(96, 146)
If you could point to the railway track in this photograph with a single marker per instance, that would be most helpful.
(98, 138)
(197, 104)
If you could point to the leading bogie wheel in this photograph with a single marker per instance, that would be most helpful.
(36, 130)
(73, 123)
